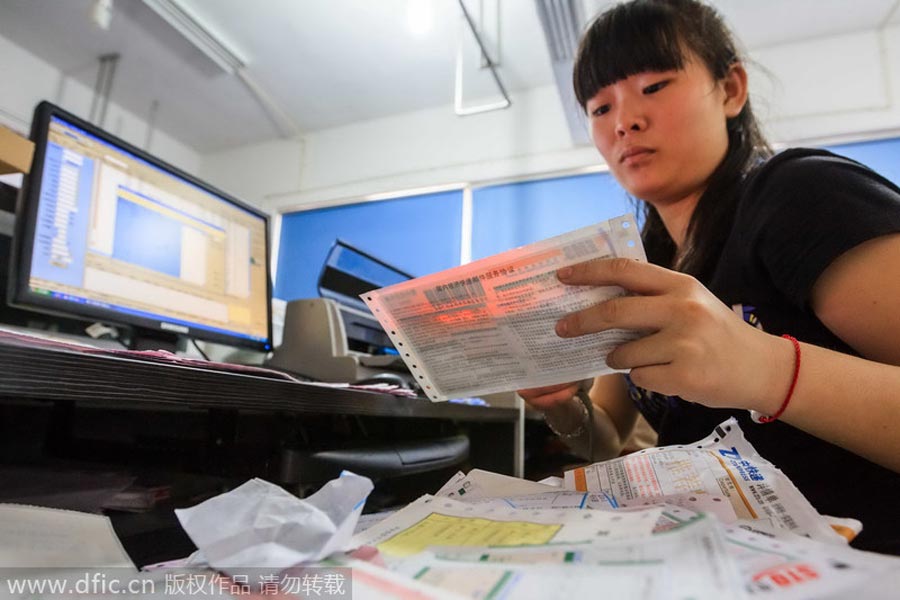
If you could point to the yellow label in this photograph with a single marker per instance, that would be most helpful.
(443, 530)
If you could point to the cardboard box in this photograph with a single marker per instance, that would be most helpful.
(15, 152)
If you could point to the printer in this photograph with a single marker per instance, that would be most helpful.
(335, 337)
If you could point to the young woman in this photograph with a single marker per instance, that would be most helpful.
(749, 253)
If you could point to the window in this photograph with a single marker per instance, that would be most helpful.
(417, 234)
(514, 214)
(882, 156)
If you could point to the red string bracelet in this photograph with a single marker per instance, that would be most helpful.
(790, 393)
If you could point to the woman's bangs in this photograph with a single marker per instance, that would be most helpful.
(625, 44)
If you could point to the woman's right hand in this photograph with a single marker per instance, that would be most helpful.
(551, 396)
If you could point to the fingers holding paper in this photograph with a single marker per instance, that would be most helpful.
(660, 299)
(695, 346)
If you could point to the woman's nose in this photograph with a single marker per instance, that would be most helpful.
(629, 123)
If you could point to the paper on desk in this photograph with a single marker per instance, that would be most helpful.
(721, 474)
(369, 582)
(33, 536)
(548, 500)
(479, 547)
(522, 581)
(690, 561)
(776, 564)
(486, 484)
(488, 326)
(432, 521)
(261, 525)
(493, 489)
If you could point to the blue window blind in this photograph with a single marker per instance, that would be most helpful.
(511, 215)
(882, 156)
(417, 234)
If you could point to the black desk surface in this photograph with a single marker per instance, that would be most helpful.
(56, 373)
(36, 375)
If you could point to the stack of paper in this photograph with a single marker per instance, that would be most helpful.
(713, 520)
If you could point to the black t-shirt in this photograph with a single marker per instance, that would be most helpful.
(796, 214)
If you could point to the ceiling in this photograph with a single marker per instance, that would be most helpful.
(323, 63)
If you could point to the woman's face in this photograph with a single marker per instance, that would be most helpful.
(663, 133)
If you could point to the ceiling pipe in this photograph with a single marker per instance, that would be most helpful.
(151, 124)
(464, 111)
(106, 73)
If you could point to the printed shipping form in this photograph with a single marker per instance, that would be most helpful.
(488, 326)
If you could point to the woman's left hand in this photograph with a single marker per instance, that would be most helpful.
(695, 346)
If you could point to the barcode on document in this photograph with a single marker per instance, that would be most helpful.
(580, 248)
(463, 290)
(398, 300)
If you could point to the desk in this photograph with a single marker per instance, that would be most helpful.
(52, 374)
(244, 421)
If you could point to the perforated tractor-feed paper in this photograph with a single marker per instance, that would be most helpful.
(488, 326)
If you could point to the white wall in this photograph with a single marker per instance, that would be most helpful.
(422, 148)
(254, 172)
(436, 147)
(843, 87)
(25, 80)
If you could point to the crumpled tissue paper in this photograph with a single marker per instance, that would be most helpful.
(261, 525)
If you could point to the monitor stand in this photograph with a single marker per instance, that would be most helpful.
(149, 339)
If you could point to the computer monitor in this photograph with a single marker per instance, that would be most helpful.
(106, 232)
(348, 272)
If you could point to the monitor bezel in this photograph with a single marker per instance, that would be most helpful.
(20, 295)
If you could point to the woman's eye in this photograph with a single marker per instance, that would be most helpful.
(655, 87)
(601, 110)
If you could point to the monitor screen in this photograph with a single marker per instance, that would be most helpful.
(349, 272)
(107, 232)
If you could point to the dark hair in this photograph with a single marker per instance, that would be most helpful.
(653, 35)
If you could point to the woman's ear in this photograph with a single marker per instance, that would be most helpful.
(735, 86)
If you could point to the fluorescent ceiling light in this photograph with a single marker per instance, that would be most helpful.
(189, 26)
(174, 13)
